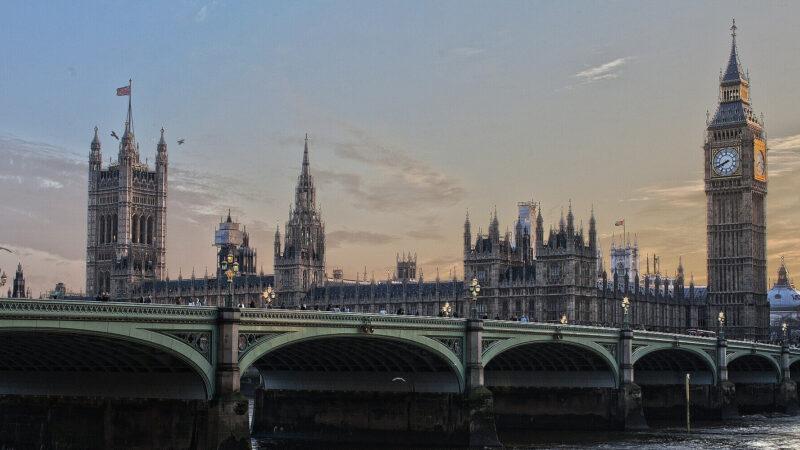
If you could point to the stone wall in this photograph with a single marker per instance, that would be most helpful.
(365, 417)
(83, 423)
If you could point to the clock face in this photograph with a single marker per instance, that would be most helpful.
(726, 161)
(760, 164)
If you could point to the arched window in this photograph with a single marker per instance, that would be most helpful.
(134, 229)
(102, 230)
(114, 229)
(150, 230)
(100, 282)
(142, 230)
(108, 282)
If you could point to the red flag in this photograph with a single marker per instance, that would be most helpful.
(125, 90)
(619, 223)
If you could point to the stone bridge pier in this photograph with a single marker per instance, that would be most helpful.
(228, 426)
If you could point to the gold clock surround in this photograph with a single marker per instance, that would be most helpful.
(759, 146)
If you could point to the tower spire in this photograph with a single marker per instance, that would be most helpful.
(305, 157)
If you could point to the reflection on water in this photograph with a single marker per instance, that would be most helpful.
(776, 432)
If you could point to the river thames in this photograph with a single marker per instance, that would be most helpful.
(755, 431)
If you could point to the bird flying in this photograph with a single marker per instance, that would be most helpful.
(9, 251)
(180, 141)
(115, 135)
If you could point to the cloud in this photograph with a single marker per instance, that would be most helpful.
(391, 179)
(336, 239)
(785, 143)
(605, 71)
(784, 155)
(466, 52)
(688, 194)
(45, 183)
(201, 14)
(426, 234)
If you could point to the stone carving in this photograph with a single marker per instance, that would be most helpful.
(454, 344)
(249, 340)
(489, 343)
(200, 340)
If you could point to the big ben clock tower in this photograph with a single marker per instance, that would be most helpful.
(736, 188)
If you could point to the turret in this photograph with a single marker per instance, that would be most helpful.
(494, 230)
(96, 156)
(592, 231)
(277, 242)
(161, 155)
(467, 235)
(570, 221)
(539, 227)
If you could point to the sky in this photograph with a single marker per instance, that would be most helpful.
(416, 112)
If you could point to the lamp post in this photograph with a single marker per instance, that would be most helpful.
(784, 327)
(626, 306)
(721, 321)
(446, 309)
(3, 279)
(230, 267)
(474, 289)
(269, 296)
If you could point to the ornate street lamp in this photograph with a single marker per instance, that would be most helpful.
(626, 306)
(784, 327)
(3, 279)
(474, 289)
(446, 309)
(230, 267)
(269, 295)
(721, 321)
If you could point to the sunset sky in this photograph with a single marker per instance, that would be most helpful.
(416, 112)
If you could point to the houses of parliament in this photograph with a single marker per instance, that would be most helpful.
(545, 275)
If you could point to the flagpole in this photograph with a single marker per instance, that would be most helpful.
(130, 97)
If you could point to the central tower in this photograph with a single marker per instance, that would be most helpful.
(301, 263)
(736, 188)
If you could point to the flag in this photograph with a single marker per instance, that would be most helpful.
(125, 90)
(619, 223)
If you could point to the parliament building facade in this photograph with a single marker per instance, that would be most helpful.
(553, 275)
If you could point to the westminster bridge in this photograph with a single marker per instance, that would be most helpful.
(172, 373)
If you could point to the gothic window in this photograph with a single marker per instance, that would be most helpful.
(102, 230)
(108, 229)
(150, 230)
(114, 229)
(142, 230)
(555, 273)
(134, 229)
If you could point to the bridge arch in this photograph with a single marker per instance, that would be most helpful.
(109, 359)
(794, 368)
(564, 362)
(306, 357)
(749, 367)
(665, 363)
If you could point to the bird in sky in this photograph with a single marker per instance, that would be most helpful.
(9, 251)
(180, 141)
(115, 135)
